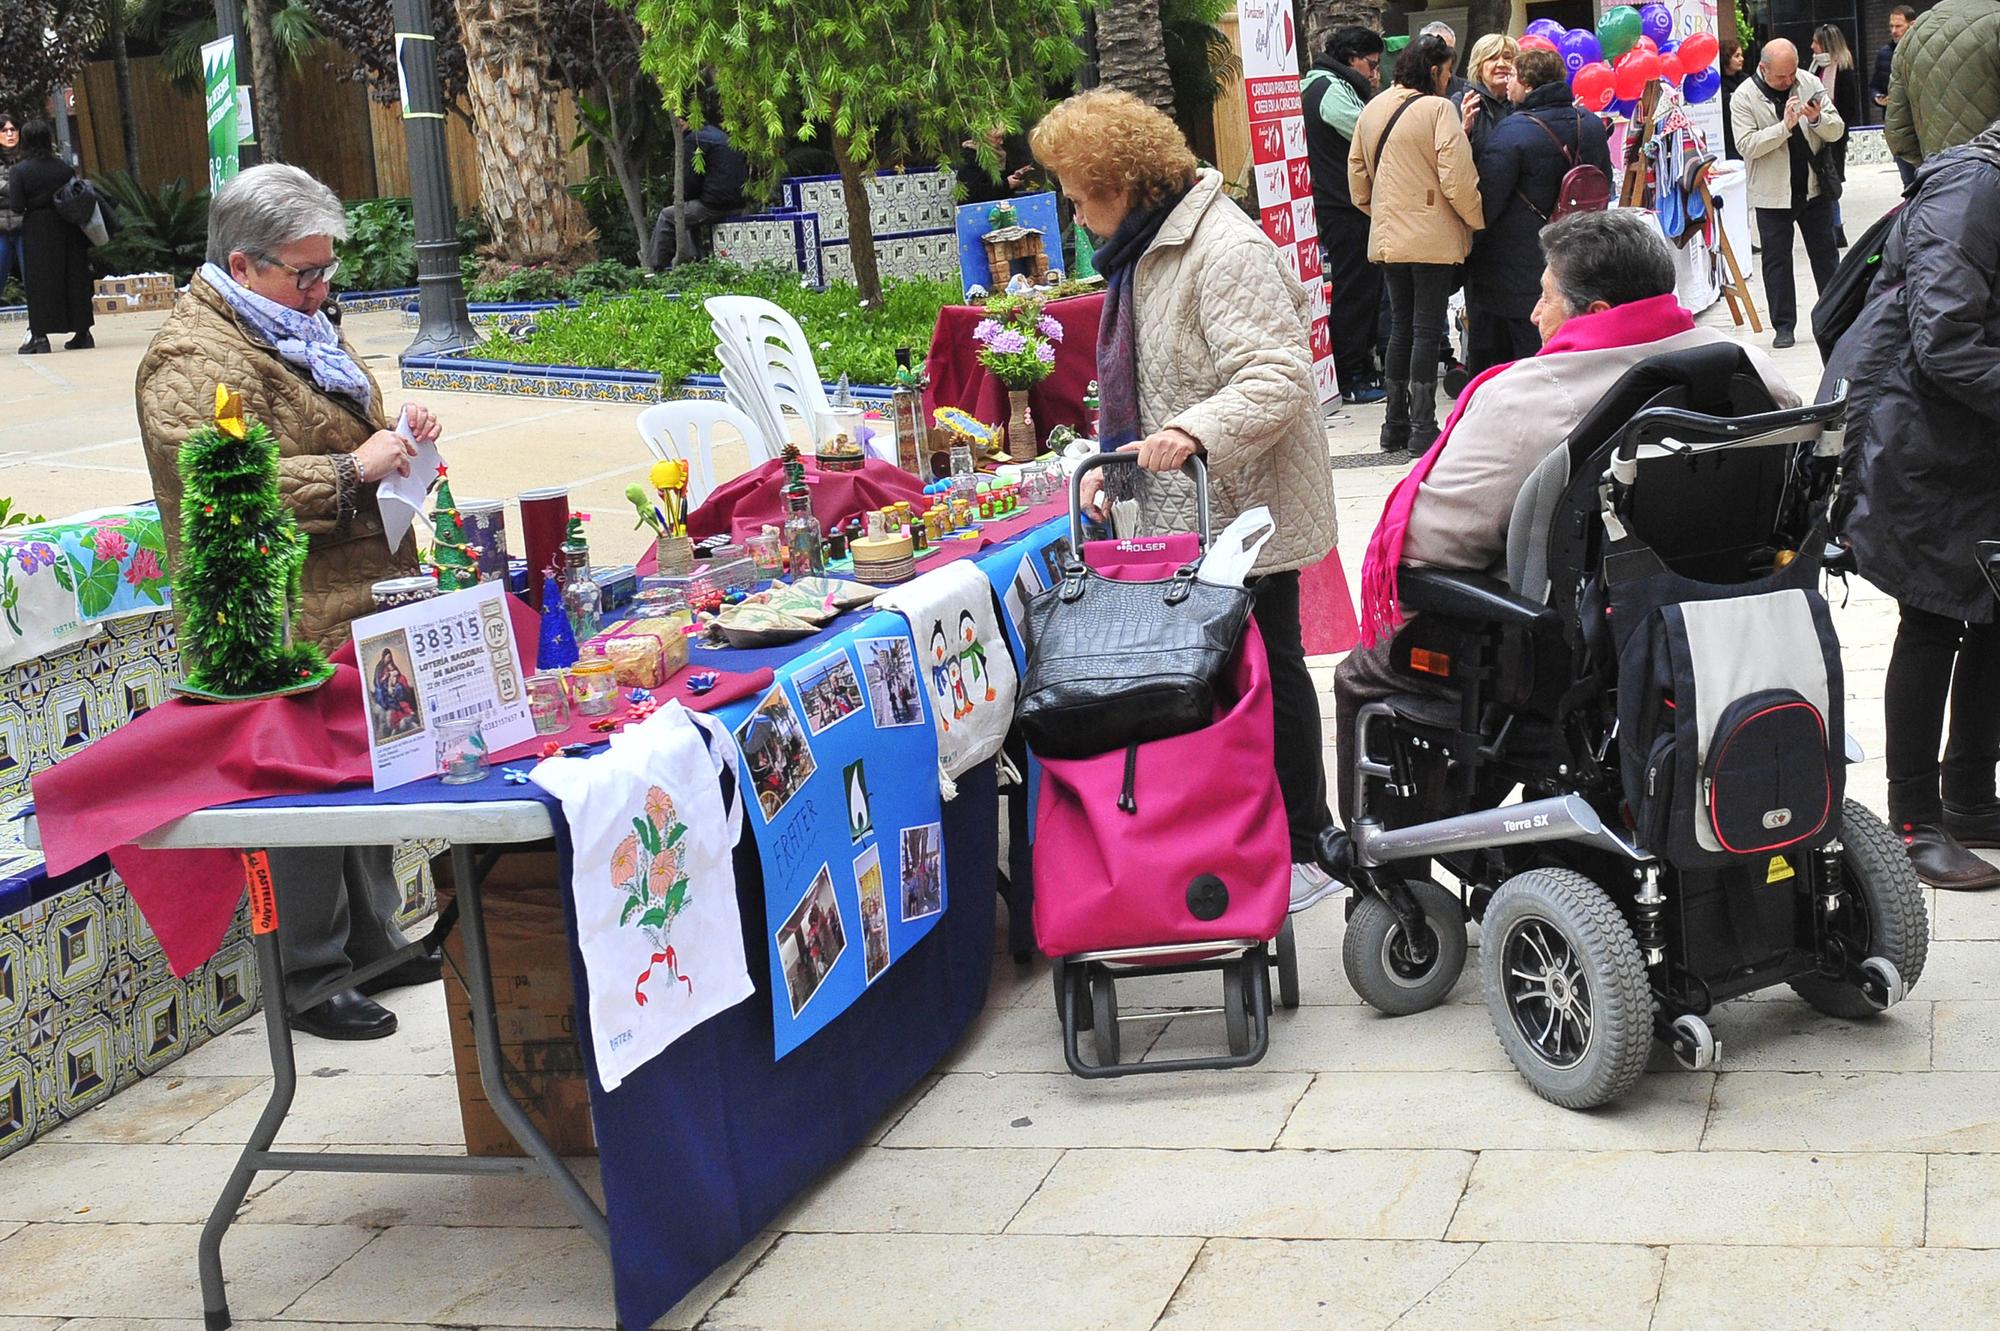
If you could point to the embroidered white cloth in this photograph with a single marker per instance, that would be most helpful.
(963, 656)
(655, 889)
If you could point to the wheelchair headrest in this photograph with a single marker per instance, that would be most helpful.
(1713, 380)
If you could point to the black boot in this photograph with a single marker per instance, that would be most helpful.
(1940, 861)
(1396, 421)
(81, 342)
(1335, 853)
(1976, 826)
(36, 345)
(1423, 415)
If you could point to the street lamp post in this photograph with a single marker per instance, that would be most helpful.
(442, 322)
(229, 23)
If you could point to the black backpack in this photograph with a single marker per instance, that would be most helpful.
(1846, 292)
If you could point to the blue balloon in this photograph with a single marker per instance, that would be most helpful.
(1623, 108)
(1702, 86)
(1578, 48)
(1656, 21)
(1545, 27)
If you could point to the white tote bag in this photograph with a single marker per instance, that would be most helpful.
(963, 657)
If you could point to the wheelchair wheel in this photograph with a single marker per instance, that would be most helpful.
(1287, 952)
(1394, 972)
(1885, 914)
(1566, 987)
(1104, 1019)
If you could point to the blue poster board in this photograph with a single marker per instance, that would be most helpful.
(1037, 212)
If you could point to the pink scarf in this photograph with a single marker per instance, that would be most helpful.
(1627, 325)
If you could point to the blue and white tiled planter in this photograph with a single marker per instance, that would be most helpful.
(573, 383)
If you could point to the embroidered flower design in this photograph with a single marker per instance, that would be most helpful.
(109, 545)
(145, 568)
(663, 873)
(659, 807)
(625, 863)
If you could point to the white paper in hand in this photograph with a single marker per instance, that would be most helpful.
(401, 497)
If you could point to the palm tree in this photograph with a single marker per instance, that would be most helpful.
(1132, 51)
(1318, 19)
(281, 35)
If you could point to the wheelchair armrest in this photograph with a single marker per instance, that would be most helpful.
(1478, 597)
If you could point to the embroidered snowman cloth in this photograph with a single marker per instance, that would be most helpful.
(654, 885)
(962, 655)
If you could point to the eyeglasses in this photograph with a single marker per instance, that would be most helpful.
(1373, 61)
(307, 278)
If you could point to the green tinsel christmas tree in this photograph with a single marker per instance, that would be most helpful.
(453, 559)
(241, 556)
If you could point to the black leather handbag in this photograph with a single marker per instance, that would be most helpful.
(1113, 664)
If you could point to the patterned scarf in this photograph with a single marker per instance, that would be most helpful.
(1117, 335)
(307, 341)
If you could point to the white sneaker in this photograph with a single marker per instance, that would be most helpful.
(1311, 885)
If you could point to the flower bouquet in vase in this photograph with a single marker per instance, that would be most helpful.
(1017, 345)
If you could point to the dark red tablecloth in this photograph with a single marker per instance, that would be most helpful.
(744, 505)
(959, 380)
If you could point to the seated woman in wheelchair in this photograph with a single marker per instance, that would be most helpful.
(1607, 304)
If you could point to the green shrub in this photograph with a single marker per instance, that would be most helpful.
(380, 252)
(517, 283)
(606, 275)
(164, 230)
(663, 328)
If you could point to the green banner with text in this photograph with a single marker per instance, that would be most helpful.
(218, 81)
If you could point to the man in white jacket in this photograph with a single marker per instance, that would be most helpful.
(1783, 121)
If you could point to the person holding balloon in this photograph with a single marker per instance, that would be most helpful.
(1412, 171)
(1784, 123)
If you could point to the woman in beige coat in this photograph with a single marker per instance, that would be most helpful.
(1412, 171)
(1203, 351)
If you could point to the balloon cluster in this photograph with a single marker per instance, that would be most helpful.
(1610, 68)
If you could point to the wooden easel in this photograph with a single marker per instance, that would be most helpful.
(1632, 193)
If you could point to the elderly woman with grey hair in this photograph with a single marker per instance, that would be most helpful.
(252, 321)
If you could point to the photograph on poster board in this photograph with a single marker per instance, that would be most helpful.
(811, 940)
(395, 706)
(923, 871)
(828, 692)
(775, 752)
(860, 817)
(891, 671)
(874, 912)
(1055, 557)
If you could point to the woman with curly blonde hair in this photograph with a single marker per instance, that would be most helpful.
(1204, 351)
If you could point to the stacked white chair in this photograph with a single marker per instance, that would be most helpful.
(767, 366)
(686, 430)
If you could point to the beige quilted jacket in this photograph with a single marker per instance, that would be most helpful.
(200, 345)
(1222, 329)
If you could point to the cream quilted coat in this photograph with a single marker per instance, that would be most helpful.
(1222, 329)
(202, 344)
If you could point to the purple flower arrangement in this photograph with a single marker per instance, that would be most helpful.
(1017, 341)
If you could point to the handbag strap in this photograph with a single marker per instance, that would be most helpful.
(1390, 128)
(1569, 158)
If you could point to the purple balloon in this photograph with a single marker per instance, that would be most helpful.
(1621, 107)
(1579, 48)
(1656, 21)
(1545, 27)
(1702, 86)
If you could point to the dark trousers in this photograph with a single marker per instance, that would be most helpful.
(1936, 659)
(1295, 709)
(1417, 296)
(1774, 232)
(1908, 171)
(1495, 339)
(663, 252)
(336, 910)
(1355, 288)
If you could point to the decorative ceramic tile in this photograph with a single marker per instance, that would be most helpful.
(927, 254)
(897, 201)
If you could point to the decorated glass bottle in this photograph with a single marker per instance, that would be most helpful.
(582, 599)
(805, 547)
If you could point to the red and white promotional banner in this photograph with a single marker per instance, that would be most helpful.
(1282, 173)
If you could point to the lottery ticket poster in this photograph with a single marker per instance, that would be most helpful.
(1283, 172)
(434, 662)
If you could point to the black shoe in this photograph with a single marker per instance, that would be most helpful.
(1395, 437)
(348, 1015)
(1940, 861)
(417, 970)
(1423, 415)
(1335, 853)
(1784, 339)
(35, 346)
(1975, 828)
(81, 342)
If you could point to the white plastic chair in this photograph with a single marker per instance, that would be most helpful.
(686, 430)
(765, 354)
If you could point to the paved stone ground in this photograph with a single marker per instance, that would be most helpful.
(1369, 1173)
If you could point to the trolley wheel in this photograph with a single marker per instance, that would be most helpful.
(1059, 973)
(1884, 915)
(1566, 987)
(1075, 995)
(1288, 967)
(1239, 992)
(1394, 972)
(1104, 1019)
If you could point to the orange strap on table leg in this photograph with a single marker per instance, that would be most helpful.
(263, 896)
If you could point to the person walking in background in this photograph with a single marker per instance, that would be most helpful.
(1203, 352)
(1491, 65)
(1900, 19)
(1334, 91)
(1412, 171)
(1731, 62)
(1833, 66)
(1784, 121)
(1923, 411)
(55, 256)
(1521, 171)
(1944, 82)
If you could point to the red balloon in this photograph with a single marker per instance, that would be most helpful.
(1632, 73)
(1646, 44)
(1670, 67)
(1698, 51)
(1593, 86)
(1536, 43)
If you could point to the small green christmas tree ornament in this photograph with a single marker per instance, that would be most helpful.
(241, 557)
(453, 558)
